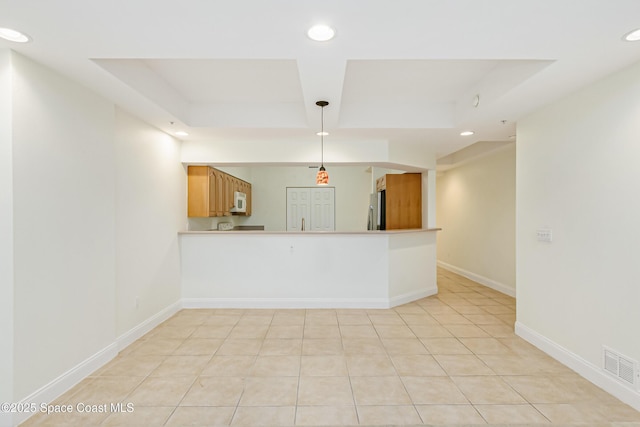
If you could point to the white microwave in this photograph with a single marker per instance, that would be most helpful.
(239, 202)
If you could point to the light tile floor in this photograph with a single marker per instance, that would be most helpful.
(447, 359)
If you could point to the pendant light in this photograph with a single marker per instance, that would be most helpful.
(322, 178)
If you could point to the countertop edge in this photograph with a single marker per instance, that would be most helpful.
(320, 233)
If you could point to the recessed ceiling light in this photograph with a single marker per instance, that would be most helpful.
(14, 36)
(182, 133)
(321, 33)
(325, 133)
(632, 36)
(466, 133)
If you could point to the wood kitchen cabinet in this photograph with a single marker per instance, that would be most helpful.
(211, 192)
(217, 192)
(245, 187)
(228, 194)
(403, 200)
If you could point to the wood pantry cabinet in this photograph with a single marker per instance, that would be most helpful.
(403, 200)
(210, 192)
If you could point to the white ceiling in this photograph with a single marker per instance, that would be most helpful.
(403, 70)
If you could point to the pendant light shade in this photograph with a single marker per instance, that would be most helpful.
(322, 178)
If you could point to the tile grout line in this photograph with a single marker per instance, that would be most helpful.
(295, 411)
(404, 386)
(195, 379)
(353, 395)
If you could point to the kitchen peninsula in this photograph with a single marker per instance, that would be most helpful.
(368, 269)
(350, 267)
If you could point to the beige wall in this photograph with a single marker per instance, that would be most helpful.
(150, 209)
(578, 175)
(96, 199)
(475, 205)
(6, 236)
(63, 229)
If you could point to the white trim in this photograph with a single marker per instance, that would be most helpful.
(307, 302)
(72, 377)
(497, 286)
(588, 370)
(66, 381)
(411, 296)
(137, 332)
(285, 303)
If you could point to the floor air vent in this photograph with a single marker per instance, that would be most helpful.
(619, 366)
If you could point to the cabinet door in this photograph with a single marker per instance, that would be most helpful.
(198, 191)
(228, 195)
(213, 193)
(248, 192)
(219, 192)
(241, 186)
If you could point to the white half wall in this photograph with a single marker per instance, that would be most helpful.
(578, 175)
(475, 205)
(150, 210)
(306, 270)
(6, 235)
(64, 233)
(284, 267)
(412, 267)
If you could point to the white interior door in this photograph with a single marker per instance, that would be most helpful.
(316, 206)
(298, 208)
(323, 209)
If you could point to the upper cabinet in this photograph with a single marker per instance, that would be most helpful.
(211, 192)
(403, 200)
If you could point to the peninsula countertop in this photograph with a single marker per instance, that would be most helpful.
(266, 232)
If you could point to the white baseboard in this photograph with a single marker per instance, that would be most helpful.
(586, 369)
(72, 377)
(137, 332)
(66, 381)
(285, 303)
(497, 286)
(306, 302)
(411, 296)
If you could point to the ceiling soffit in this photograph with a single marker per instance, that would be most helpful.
(268, 93)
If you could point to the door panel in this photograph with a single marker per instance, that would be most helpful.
(297, 208)
(315, 205)
(323, 211)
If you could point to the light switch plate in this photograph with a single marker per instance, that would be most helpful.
(544, 235)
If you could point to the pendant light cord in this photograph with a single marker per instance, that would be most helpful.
(322, 104)
(322, 137)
